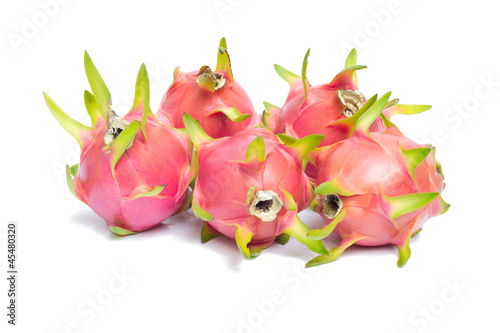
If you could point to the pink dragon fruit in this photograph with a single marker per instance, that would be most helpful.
(250, 187)
(382, 193)
(218, 102)
(316, 110)
(134, 172)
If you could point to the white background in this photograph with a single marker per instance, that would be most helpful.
(425, 52)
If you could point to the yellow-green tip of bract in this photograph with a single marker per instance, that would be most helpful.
(99, 88)
(305, 81)
(406, 203)
(208, 233)
(243, 237)
(286, 139)
(302, 146)
(256, 151)
(70, 173)
(305, 145)
(414, 157)
(332, 187)
(352, 58)
(197, 135)
(201, 213)
(328, 229)
(223, 61)
(367, 118)
(121, 232)
(232, 113)
(334, 253)
(122, 143)
(404, 253)
(299, 230)
(288, 76)
(288, 201)
(269, 110)
(349, 71)
(406, 109)
(73, 127)
(142, 96)
(444, 206)
(92, 108)
(153, 193)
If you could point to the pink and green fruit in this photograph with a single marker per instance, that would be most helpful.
(134, 172)
(250, 187)
(375, 188)
(318, 109)
(214, 99)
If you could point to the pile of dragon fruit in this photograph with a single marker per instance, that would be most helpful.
(328, 148)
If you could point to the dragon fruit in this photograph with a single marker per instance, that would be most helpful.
(134, 172)
(250, 187)
(316, 110)
(215, 99)
(375, 188)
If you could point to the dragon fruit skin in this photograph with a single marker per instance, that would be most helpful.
(250, 188)
(215, 99)
(380, 195)
(141, 177)
(316, 109)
